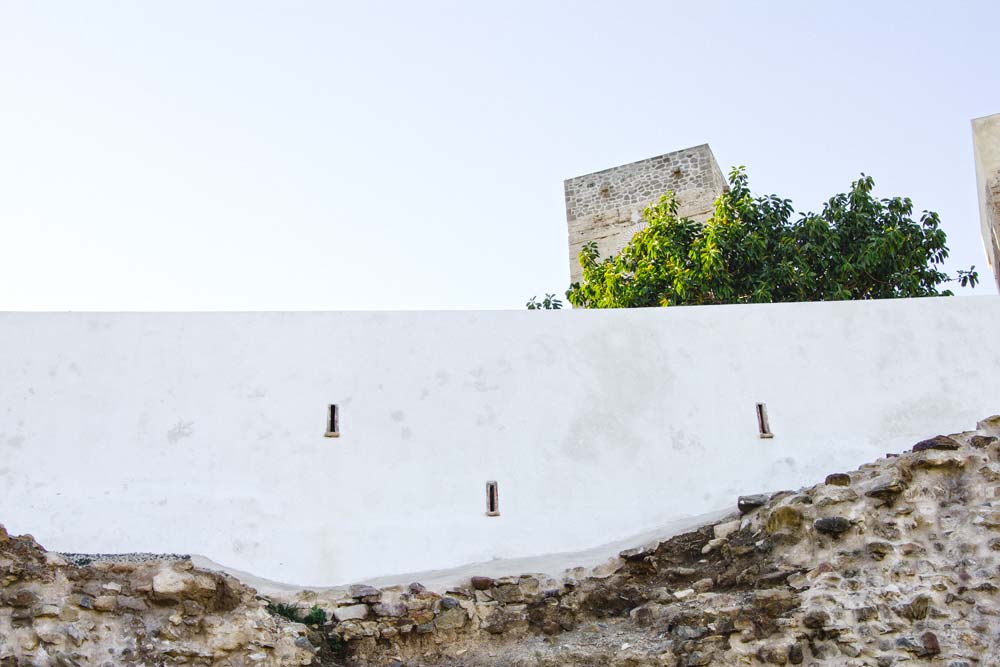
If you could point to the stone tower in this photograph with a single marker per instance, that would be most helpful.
(986, 141)
(607, 206)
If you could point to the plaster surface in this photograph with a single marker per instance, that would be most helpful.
(204, 432)
(986, 141)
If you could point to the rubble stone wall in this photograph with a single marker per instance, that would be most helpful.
(119, 613)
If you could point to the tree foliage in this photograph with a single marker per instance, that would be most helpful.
(757, 249)
(550, 302)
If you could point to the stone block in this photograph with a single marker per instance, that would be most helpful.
(354, 612)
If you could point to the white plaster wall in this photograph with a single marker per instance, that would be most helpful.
(203, 433)
(986, 147)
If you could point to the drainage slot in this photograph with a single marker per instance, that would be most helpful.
(333, 422)
(492, 499)
(763, 426)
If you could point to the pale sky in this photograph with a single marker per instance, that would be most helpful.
(322, 155)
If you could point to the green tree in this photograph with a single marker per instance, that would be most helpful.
(757, 249)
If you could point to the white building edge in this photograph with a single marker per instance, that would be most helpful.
(207, 433)
(986, 149)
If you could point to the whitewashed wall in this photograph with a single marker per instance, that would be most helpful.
(203, 433)
(986, 145)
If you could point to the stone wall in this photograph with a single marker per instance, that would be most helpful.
(607, 206)
(986, 140)
(136, 611)
(893, 563)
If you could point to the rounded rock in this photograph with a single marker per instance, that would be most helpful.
(832, 525)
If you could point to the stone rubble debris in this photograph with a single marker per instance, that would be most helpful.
(139, 610)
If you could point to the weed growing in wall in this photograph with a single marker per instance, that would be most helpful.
(290, 611)
(316, 616)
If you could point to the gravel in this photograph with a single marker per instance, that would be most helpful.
(138, 557)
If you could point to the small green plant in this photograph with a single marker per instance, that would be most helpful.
(289, 611)
(316, 616)
(337, 645)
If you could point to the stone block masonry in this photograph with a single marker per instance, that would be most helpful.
(986, 139)
(607, 206)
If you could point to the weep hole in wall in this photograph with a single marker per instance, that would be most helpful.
(763, 427)
(492, 499)
(332, 422)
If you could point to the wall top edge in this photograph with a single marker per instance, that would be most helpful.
(965, 300)
(984, 119)
(704, 146)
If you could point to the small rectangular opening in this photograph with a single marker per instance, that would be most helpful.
(763, 426)
(332, 422)
(492, 499)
